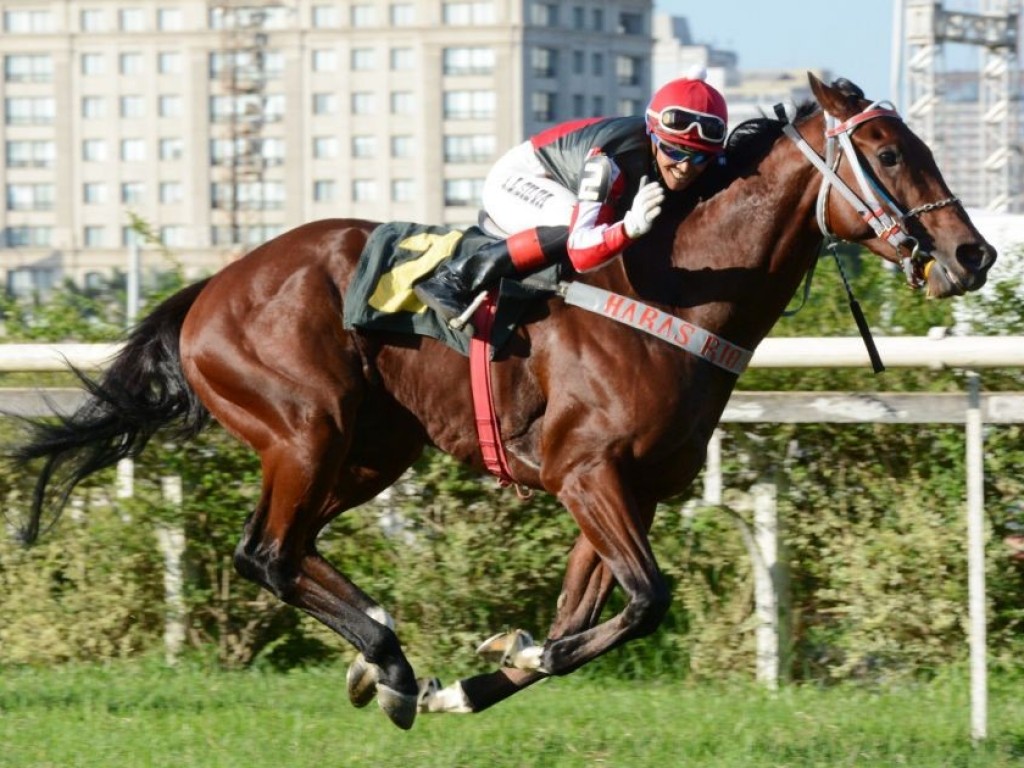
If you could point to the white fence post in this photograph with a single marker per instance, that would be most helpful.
(171, 539)
(976, 559)
(771, 589)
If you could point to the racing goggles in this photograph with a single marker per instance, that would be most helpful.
(678, 154)
(681, 121)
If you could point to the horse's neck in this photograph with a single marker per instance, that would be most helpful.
(741, 254)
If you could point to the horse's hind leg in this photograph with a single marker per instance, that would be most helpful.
(301, 493)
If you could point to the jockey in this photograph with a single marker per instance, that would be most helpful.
(581, 188)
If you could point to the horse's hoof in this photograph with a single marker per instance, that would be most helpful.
(511, 649)
(434, 698)
(429, 688)
(362, 681)
(502, 647)
(400, 707)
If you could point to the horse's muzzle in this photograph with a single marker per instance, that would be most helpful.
(968, 272)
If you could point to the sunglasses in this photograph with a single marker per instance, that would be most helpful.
(681, 121)
(679, 154)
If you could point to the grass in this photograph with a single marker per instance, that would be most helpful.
(142, 716)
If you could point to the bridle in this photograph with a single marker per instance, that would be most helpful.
(887, 221)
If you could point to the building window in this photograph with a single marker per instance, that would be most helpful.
(93, 20)
(325, 60)
(131, 20)
(402, 59)
(93, 64)
(469, 105)
(132, 192)
(403, 103)
(598, 109)
(403, 190)
(325, 147)
(169, 19)
(171, 149)
(94, 107)
(28, 237)
(364, 15)
(130, 236)
(326, 16)
(364, 103)
(170, 192)
(130, 63)
(30, 110)
(364, 146)
(544, 14)
(94, 150)
(364, 59)
(627, 70)
(28, 21)
(597, 64)
(325, 190)
(29, 197)
(133, 150)
(598, 17)
(402, 15)
(168, 62)
(364, 190)
(169, 105)
(272, 151)
(30, 154)
(545, 62)
(28, 68)
(578, 62)
(629, 107)
(172, 235)
(325, 103)
(543, 106)
(578, 105)
(468, 61)
(631, 23)
(463, 192)
(132, 106)
(94, 236)
(401, 146)
(468, 14)
(94, 193)
(469, 149)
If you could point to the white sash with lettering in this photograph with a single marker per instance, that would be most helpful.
(692, 338)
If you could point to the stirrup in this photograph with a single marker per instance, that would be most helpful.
(458, 323)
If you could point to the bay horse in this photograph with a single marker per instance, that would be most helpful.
(607, 419)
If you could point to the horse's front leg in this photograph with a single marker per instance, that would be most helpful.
(586, 587)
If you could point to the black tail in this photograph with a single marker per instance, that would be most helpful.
(142, 390)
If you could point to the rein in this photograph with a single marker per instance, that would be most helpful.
(887, 226)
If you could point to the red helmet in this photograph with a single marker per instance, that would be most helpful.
(689, 112)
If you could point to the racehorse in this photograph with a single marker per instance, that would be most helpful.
(608, 419)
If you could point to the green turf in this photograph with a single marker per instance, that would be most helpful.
(138, 715)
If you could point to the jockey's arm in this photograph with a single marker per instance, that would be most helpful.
(594, 237)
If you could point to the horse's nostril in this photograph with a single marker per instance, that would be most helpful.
(976, 257)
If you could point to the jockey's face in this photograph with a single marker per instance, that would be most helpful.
(679, 167)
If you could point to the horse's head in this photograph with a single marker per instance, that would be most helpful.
(901, 207)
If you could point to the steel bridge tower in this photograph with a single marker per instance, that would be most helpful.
(984, 167)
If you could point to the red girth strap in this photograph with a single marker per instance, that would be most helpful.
(487, 428)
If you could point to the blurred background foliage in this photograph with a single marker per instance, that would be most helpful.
(873, 520)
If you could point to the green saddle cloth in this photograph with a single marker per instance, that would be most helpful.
(398, 255)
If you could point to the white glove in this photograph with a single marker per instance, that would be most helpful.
(646, 207)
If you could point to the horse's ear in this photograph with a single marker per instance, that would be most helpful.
(832, 100)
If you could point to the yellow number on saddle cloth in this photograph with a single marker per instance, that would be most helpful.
(394, 289)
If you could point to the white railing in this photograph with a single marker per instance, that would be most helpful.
(972, 408)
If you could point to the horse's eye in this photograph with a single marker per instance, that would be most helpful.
(888, 157)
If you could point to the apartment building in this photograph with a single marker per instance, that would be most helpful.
(220, 124)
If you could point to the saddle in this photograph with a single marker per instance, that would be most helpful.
(398, 254)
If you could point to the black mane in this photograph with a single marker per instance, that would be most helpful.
(746, 146)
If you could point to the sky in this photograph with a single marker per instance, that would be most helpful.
(851, 39)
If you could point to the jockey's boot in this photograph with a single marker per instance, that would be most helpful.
(455, 283)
